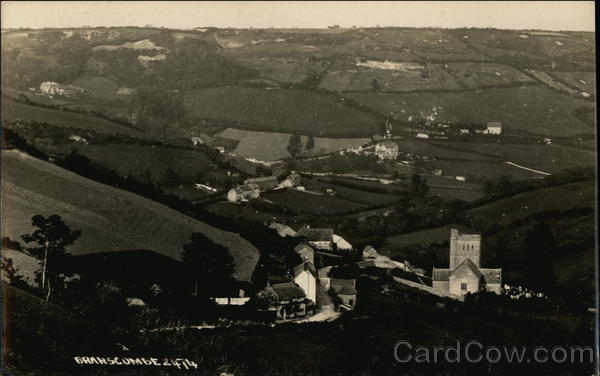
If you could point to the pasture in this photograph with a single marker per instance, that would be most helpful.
(534, 109)
(304, 203)
(12, 110)
(97, 87)
(252, 144)
(548, 158)
(283, 110)
(110, 219)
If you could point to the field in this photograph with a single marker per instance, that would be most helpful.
(549, 158)
(110, 219)
(143, 162)
(506, 211)
(512, 209)
(311, 204)
(252, 144)
(534, 109)
(281, 110)
(97, 87)
(282, 69)
(351, 194)
(585, 81)
(13, 110)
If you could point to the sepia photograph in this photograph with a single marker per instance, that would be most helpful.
(302, 188)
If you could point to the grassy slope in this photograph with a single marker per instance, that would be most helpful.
(12, 110)
(284, 110)
(573, 265)
(535, 109)
(110, 219)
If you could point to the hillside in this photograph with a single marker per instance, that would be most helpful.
(549, 226)
(110, 219)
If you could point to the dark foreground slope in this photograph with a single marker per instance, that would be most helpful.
(110, 219)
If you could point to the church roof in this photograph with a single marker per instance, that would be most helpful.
(441, 274)
(469, 265)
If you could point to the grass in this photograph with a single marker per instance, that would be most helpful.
(355, 195)
(110, 219)
(283, 110)
(13, 110)
(97, 87)
(136, 161)
(549, 158)
(560, 198)
(252, 144)
(534, 109)
(310, 204)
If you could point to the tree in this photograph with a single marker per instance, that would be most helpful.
(50, 240)
(210, 264)
(310, 143)
(11, 273)
(418, 186)
(295, 145)
(375, 85)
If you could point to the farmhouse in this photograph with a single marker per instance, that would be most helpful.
(386, 150)
(320, 238)
(265, 183)
(493, 127)
(465, 274)
(53, 88)
(292, 180)
(356, 149)
(148, 61)
(244, 192)
(288, 300)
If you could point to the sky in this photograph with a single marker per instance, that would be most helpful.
(543, 15)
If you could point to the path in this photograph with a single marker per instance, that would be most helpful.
(527, 168)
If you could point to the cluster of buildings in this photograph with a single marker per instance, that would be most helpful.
(54, 88)
(252, 188)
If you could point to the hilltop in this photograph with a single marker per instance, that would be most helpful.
(110, 219)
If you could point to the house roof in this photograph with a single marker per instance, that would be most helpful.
(301, 246)
(300, 268)
(492, 275)
(468, 265)
(288, 291)
(316, 234)
(366, 264)
(343, 286)
(388, 144)
(441, 274)
(494, 124)
(262, 180)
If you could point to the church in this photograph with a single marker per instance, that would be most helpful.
(465, 274)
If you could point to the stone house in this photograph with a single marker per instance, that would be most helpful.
(386, 150)
(289, 301)
(244, 192)
(292, 180)
(493, 127)
(465, 274)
